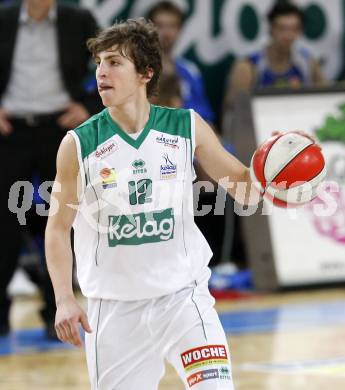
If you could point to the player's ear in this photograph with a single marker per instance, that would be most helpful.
(147, 76)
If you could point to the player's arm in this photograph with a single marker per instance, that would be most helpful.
(221, 166)
(58, 243)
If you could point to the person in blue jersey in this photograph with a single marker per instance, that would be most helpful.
(168, 18)
(124, 182)
(282, 63)
(169, 92)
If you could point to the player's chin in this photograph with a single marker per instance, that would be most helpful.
(107, 100)
(111, 101)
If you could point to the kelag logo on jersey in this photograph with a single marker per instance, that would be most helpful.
(171, 142)
(168, 170)
(142, 228)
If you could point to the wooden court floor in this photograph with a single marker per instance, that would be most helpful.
(282, 341)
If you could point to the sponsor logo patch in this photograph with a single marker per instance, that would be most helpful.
(222, 373)
(169, 169)
(202, 376)
(106, 149)
(171, 142)
(204, 356)
(142, 228)
(108, 176)
(139, 166)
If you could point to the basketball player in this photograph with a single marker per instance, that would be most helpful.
(124, 181)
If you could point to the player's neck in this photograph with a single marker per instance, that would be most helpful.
(132, 116)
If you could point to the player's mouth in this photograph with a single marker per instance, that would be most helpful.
(103, 88)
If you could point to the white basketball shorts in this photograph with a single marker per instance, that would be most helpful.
(132, 339)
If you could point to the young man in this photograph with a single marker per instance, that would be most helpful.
(281, 63)
(124, 180)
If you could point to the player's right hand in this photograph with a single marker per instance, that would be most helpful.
(68, 316)
(5, 125)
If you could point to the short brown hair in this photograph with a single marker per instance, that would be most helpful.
(136, 39)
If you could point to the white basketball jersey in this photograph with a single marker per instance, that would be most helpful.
(135, 236)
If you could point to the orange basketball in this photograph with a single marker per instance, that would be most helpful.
(288, 168)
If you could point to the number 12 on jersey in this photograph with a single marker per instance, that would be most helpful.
(140, 191)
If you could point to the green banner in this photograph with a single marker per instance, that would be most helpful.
(218, 31)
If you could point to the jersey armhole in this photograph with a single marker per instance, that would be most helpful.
(192, 131)
(192, 141)
(80, 162)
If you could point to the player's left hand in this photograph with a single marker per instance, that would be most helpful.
(69, 315)
(74, 115)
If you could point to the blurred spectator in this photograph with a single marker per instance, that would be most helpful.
(169, 19)
(43, 63)
(169, 91)
(281, 63)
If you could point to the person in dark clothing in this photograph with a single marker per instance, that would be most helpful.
(43, 65)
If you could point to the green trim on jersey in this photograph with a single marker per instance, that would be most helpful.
(174, 121)
(99, 128)
(93, 132)
(136, 143)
